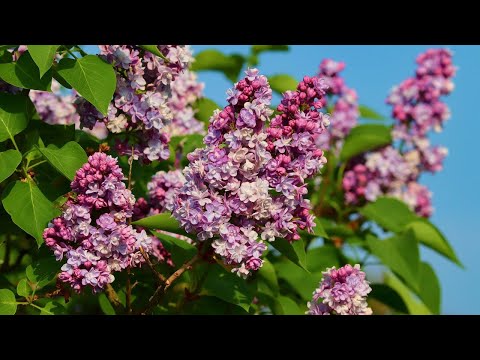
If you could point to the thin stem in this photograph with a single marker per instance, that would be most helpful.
(14, 143)
(150, 265)
(71, 53)
(36, 164)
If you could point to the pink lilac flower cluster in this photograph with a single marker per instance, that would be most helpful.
(92, 232)
(140, 102)
(341, 292)
(344, 105)
(417, 109)
(247, 185)
(162, 190)
(186, 90)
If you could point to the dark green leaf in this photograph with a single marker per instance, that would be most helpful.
(28, 207)
(415, 307)
(227, 287)
(368, 113)
(43, 56)
(93, 78)
(363, 138)
(390, 213)
(53, 134)
(205, 108)
(8, 305)
(43, 270)
(67, 160)
(23, 289)
(286, 306)
(294, 251)
(268, 275)
(426, 233)
(257, 49)
(400, 253)
(320, 258)
(386, 295)
(164, 221)
(15, 113)
(9, 161)
(48, 309)
(430, 292)
(282, 82)
(105, 305)
(24, 74)
(215, 60)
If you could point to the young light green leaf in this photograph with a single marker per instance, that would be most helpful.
(25, 74)
(164, 221)
(282, 82)
(48, 308)
(67, 160)
(301, 281)
(390, 213)
(28, 207)
(93, 78)
(430, 292)
(15, 114)
(267, 273)
(286, 306)
(368, 113)
(415, 307)
(426, 233)
(400, 253)
(210, 59)
(318, 230)
(205, 108)
(294, 251)
(23, 289)
(227, 287)
(9, 161)
(43, 56)
(318, 259)
(8, 305)
(363, 138)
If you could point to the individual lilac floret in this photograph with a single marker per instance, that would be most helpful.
(341, 292)
(92, 232)
(140, 103)
(247, 185)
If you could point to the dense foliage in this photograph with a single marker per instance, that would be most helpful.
(126, 191)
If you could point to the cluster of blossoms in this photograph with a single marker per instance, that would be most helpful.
(341, 292)
(344, 105)
(186, 90)
(417, 109)
(162, 190)
(140, 102)
(247, 185)
(92, 232)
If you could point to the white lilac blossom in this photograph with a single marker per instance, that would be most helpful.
(92, 232)
(247, 186)
(341, 292)
(140, 104)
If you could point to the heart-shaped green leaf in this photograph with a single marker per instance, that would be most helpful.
(67, 160)
(25, 74)
(43, 56)
(9, 161)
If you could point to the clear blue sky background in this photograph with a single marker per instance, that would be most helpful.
(372, 71)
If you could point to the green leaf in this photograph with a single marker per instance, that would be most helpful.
(93, 78)
(318, 259)
(400, 253)
(267, 273)
(8, 305)
(205, 108)
(426, 233)
(43, 270)
(24, 74)
(363, 138)
(368, 113)
(48, 308)
(215, 60)
(257, 49)
(386, 295)
(180, 250)
(43, 56)
(9, 161)
(430, 292)
(390, 213)
(15, 113)
(227, 287)
(286, 306)
(67, 160)
(188, 143)
(23, 289)
(164, 221)
(282, 82)
(105, 305)
(318, 230)
(154, 50)
(303, 282)
(53, 134)
(415, 307)
(294, 251)
(28, 207)
(210, 305)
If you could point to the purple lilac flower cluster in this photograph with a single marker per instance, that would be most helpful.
(417, 109)
(341, 292)
(247, 185)
(344, 106)
(185, 92)
(140, 102)
(92, 232)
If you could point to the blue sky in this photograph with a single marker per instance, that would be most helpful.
(372, 71)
